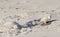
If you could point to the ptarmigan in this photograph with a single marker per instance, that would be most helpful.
(46, 20)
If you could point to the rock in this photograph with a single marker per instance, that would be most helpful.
(9, 25)
(29, 24)
(33, 23)
(36, 22)
(12, 25)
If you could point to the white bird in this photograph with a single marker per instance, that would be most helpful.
(46, 20)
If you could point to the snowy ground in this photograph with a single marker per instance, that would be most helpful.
(27, 10)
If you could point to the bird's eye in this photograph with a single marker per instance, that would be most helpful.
(47, 22)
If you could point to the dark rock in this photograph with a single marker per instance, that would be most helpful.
(18, 25)
(29, 24)
(37, 20)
